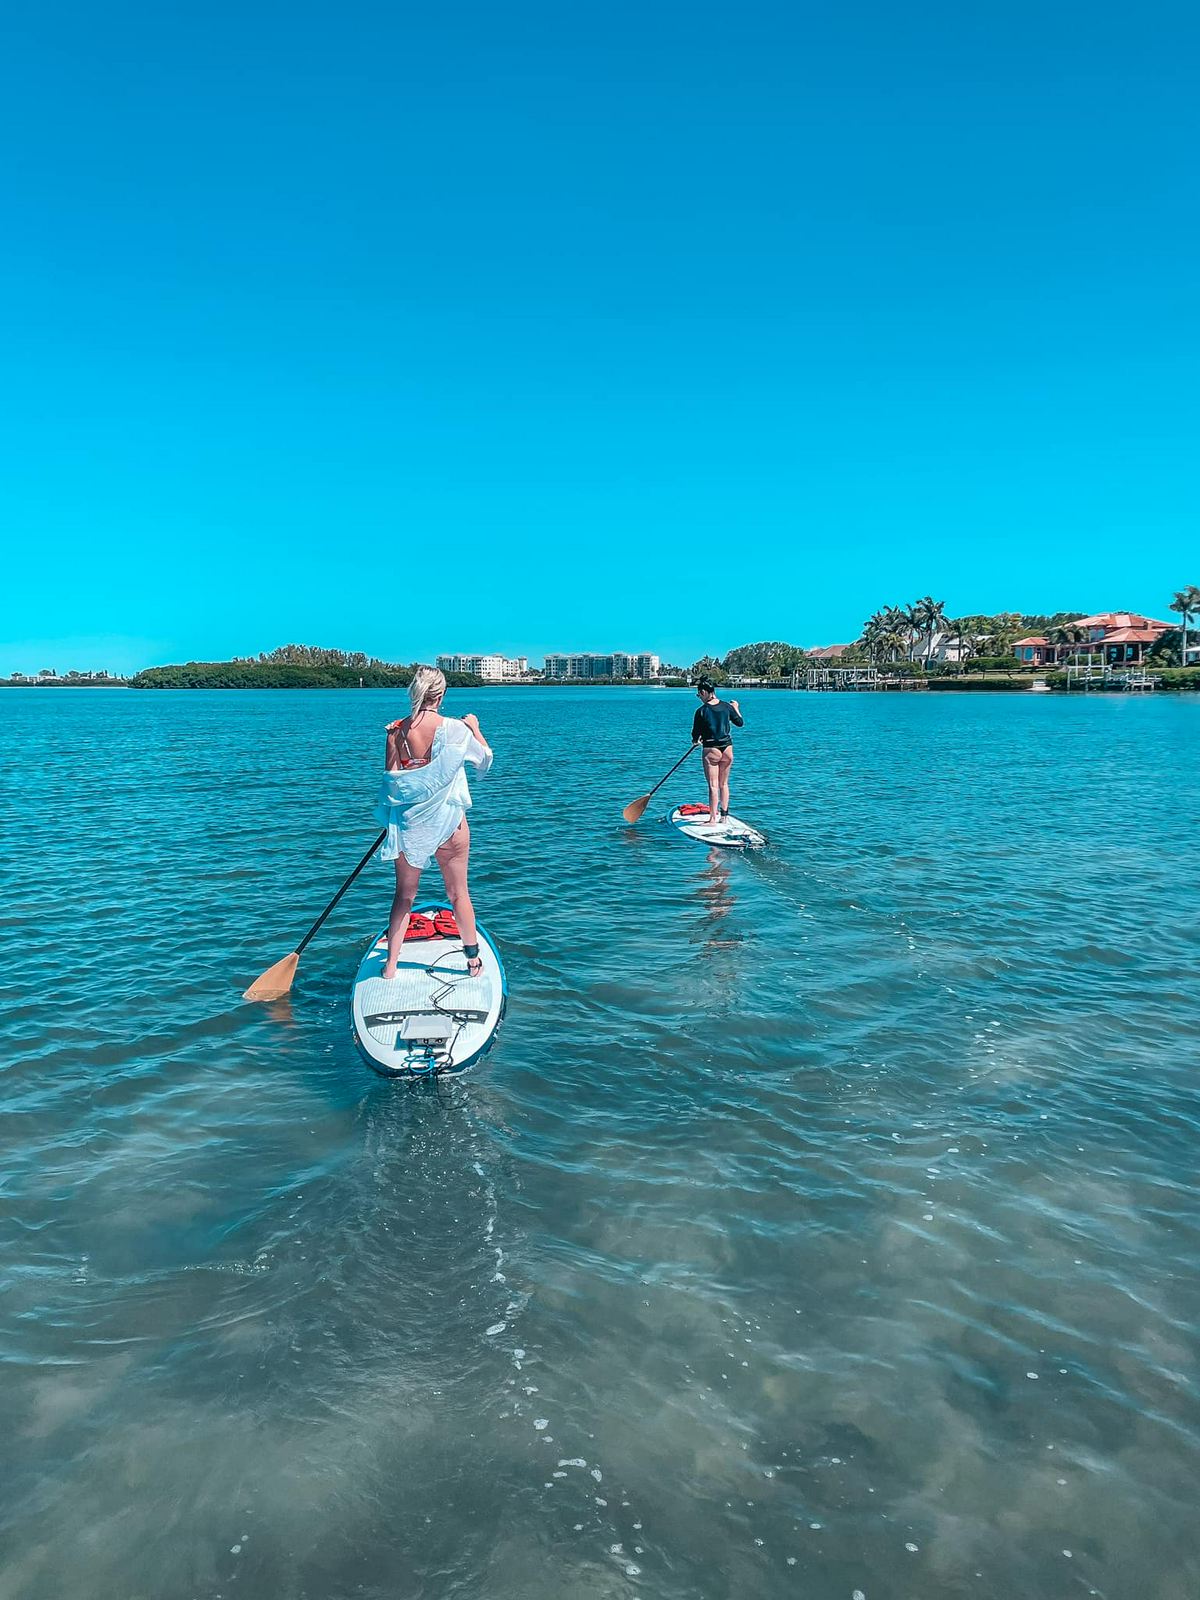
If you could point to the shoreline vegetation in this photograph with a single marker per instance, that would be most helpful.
(913, 647)
(995, 676)
(292, 666)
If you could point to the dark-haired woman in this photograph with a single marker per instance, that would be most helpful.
(710, 728)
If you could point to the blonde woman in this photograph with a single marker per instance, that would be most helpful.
(423, 804)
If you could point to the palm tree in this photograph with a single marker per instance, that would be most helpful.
(929, 617)
(900, 631)
(886, 635)
(912, 627)
(956, 627)
(1187, 603)
(1066, 634)
(894, 642)
(873, 630)
(896, 624)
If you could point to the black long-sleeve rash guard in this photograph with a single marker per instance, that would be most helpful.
(710, 725)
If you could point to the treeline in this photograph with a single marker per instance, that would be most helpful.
(73, 680)
(771, 658)
(910, 633)
(263, 675)
(313, 655)
(292, 666)
(906, 638)
(894, 635)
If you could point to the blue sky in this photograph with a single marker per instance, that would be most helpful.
(533, 327)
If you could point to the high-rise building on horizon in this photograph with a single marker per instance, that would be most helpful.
(641, 665)
(492, 669)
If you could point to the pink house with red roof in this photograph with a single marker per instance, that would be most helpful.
(1117, 636)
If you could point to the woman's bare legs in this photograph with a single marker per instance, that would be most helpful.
(726, 763)
(407, 880)
(453, 858)
(712, 772)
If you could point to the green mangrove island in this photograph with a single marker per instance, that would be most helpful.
(292, 666)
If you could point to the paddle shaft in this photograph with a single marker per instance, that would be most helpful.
(675, 768)
(341, 892)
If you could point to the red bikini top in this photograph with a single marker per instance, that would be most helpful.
(408, 760)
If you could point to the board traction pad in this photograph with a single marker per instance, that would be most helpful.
(427, 968)
(412, 990)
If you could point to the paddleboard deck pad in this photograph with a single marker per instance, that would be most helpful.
(431, 1018)
(731, 832)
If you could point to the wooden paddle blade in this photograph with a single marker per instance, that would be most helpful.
(275, 982)
(633, 811)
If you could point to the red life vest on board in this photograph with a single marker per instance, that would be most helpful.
(440, 926)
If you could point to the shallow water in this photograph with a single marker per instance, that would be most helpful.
(824, 1220)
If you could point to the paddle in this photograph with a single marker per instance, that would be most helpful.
(275, 982)
(633, 811)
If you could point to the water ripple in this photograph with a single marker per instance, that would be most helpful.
(824, 1221)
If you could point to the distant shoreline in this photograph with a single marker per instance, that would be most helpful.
(65, 683)
(1173, 682)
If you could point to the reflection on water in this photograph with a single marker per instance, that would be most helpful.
(716, 895)
(825, 1219)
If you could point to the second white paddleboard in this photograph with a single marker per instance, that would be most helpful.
(730, 832)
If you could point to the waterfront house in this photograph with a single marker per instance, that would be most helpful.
(946, 647)
(1035, 651)
(1115, 637)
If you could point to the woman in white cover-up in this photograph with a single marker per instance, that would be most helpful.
(423, 804)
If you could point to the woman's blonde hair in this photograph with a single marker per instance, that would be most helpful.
(426, 689)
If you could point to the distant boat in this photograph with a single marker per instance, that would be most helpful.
(1040, 686)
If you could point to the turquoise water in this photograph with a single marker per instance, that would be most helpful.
(824, 1220)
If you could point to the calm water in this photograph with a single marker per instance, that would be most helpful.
(823, 1221)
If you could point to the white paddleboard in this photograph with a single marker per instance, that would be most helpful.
(731, 832)
(431, 1018)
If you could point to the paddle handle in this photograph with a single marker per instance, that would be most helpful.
(675, 768)
(341, 892)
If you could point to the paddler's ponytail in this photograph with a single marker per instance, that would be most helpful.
(426, 689)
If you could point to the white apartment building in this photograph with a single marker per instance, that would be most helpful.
(492, 669)
(619, 664)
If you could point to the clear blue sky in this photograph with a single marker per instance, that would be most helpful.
(524, 327)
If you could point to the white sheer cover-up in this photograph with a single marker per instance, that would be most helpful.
(421, 806)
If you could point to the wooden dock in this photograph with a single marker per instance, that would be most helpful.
(1122, 680)
(853, 679)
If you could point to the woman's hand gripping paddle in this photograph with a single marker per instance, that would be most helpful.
(633, 811)
(275, 982)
